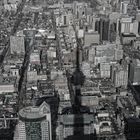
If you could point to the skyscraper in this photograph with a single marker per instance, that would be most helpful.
(34, 123)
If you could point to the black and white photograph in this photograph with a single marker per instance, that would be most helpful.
(69, 69)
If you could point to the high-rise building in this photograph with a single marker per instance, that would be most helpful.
(34, 123)
(126, 25)
(134, 73)
(91, 38)
(105, 70)
(124, 7)
(79, 9)
(119, 75)
(102, 26)
(95, 20)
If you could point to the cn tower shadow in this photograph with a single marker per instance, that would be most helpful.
(82, 125)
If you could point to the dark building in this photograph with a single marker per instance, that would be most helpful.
(103, 28)
(8, 133)
(138, 4)
(132, 128)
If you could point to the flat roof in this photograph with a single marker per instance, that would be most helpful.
(72, 119)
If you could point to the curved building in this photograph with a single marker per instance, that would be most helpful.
(34, 123)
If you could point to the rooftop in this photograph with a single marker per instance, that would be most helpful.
(71, 119)
(34, 113)
(7, 80)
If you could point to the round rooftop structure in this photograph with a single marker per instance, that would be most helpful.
(32, 113)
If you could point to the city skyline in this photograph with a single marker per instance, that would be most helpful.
(70, 70)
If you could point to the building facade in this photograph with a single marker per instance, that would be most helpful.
(34, 123)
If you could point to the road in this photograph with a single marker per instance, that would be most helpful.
(58, 46)
(23, 78)
(18, 16)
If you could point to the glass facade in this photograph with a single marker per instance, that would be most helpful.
(33, 130)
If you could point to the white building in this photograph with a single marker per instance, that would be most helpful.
(119, 75)
(34, 123)
(17, 44)
(7, 85)
(105, 70)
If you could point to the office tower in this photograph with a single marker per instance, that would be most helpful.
(134, 72)
(102, 26)
(119, 75)
(91, 38)
(79, 9)
(105, 29)
(124, 7)
(126, 25)
(34, 123)
(105, 70)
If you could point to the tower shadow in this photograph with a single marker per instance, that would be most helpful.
(82, 124)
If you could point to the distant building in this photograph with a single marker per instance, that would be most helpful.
(8, 84)
(95, 23)
(35, 57)
(89, 96)
(79, 9)
(14, 72)
(103, 124)
(102, 25)
(124, 7)
(126, 25)
(134, 74)
(32, 76)
(86, 69)
(104, 29)
(34, 123)
(11, 1)
(132, 128)
(91, 54)
(17, 44)
(104, 53)
(105, 70)
(91, 38)
(128, 38)
(90, 101)
(119, 75)
(65, 19)
(118, 53)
